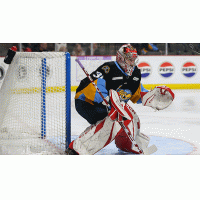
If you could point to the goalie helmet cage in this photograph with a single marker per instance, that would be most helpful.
(35, 108)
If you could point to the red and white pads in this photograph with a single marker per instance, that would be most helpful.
(124, 143)
(97, 136)
(159, 98)
(119, 111)
(119, 107)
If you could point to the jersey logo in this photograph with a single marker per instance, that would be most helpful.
(125, 94)
(106, 69)
(135, 79)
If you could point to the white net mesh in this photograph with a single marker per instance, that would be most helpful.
(23, 108)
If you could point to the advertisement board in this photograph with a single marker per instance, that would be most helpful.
(177, 72)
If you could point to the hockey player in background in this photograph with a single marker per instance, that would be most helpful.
(119, 81)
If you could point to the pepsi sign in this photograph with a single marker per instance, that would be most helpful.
(166, 69)
(145, 69)
(189, 69)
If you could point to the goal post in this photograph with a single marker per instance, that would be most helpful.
(35, 104)
(68, 99)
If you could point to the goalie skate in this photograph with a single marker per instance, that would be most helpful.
(70, 152)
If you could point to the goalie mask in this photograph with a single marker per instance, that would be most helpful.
(127, 58)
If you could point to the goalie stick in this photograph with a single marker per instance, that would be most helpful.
(146, 151)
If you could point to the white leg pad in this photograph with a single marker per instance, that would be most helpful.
(96, 137)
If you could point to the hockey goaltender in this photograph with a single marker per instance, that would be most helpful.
(101, 99)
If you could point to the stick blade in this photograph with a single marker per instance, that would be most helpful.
(150, 150)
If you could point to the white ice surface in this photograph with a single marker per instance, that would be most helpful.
(175, 130)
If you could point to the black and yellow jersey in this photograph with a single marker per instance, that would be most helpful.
(111, 76)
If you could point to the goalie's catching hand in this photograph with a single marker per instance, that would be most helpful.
(159, 98)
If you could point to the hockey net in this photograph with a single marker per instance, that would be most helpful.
(35, 104)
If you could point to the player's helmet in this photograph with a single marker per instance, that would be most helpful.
(127, 58)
